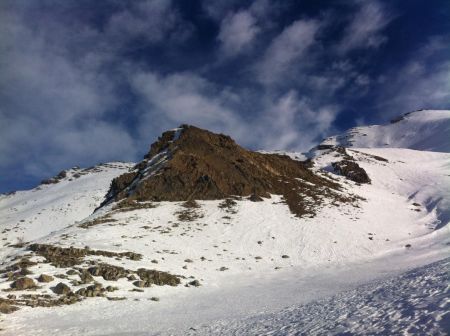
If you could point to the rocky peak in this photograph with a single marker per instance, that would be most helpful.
(189, 163)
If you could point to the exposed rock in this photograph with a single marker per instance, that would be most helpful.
(140, 284)
(23, 283)
(108, 272)
(61, 289)
(86, 277)
(45, 278)
(201, 165)
(116, 298)
(351, 170)
(70, 256)
(194, 283)
(6, 307)
(157, 277)
(324, 147)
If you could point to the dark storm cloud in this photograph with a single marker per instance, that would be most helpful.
(83, 82)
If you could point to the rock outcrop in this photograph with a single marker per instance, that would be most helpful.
(190, 163)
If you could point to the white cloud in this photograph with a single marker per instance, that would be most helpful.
(237, 31)
(53, 105)
(288, 48)
(414, 87)
(186, 98)
(365, 29)
(284, 122)
(150, 20)
(290, 122)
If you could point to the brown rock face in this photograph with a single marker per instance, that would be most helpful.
(195, 164)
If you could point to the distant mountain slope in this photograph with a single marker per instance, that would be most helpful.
(427, 130)
(57, 203)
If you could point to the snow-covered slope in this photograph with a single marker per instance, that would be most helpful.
(32, 214)
(248, 257)
(427, 130)
(414, 303)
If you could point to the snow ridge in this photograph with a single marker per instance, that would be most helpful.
(427, 130)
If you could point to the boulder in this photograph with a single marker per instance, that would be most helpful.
(45, 278)
(61, 289)
(23, 283)
(351, 170)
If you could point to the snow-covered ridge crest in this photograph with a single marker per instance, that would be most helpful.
(427, 130)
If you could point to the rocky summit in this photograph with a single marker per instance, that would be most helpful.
(189, 163)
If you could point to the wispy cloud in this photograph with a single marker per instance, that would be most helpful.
(366, 27)
(237, 31)
(86, 81)
(289, 47)
(421, 83)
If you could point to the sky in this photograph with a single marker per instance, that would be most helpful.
(84, 82)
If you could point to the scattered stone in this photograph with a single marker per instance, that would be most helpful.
(86, 277)
(140, 284)
(70, 256)
(351, 170)
(6, 307)
(23, 283)
(108, 272)
(61, 289)
(194, 283)
(157, 277)
(45, 278)
(116, 298)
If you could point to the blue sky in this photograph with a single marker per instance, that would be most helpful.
(83, 82)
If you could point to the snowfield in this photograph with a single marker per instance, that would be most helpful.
(377, 266)
(414, 303)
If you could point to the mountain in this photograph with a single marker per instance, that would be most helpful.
(426, 130)
(189, 163)
(203, 231)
